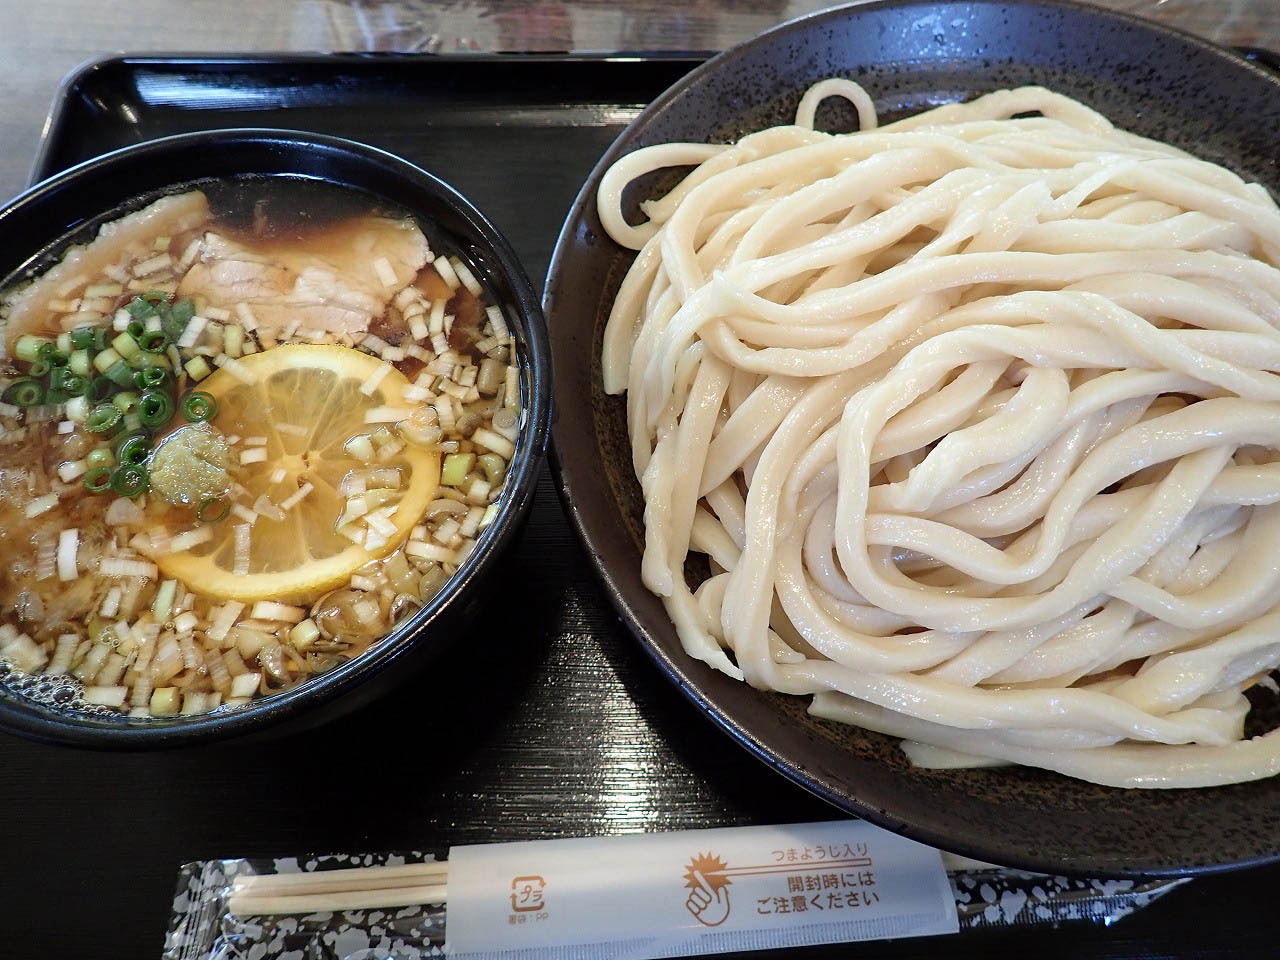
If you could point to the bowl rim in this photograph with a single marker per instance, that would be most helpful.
(28, 718)
(676, 669)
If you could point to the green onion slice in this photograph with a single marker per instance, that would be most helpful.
(82, 338)
(120, 373)
(150, 359)
(133, 449)
(98, 480)
(63, 379)
(150, 378)
(199, 406)
(73, 384)
(28, 347)
(177, 319)
(155, 408)
(99, 389)
(25, 393)
(213, 510)
(129, 479)
(79, 362)
(182, 312)
(104, 418)
(101, 457)
(153, 341)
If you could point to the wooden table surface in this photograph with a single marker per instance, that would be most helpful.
(92, 842)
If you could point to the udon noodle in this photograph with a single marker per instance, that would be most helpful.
(976, 416)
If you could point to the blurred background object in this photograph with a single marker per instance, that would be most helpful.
(41, 42)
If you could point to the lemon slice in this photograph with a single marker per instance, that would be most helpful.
(306, 401)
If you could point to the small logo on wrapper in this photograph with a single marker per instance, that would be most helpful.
(526, 894)
(708, 900)
(827, 871)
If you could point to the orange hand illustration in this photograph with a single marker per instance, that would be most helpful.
(708, 903)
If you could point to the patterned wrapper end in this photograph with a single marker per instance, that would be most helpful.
(201, 928)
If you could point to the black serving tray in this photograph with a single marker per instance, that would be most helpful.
(516, 133)
(548, 721)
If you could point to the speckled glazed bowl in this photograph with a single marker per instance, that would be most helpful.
(911, 56)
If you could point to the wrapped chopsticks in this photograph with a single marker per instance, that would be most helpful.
(308, 906)
(357, 888)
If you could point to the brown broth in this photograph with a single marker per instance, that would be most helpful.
(268, 225)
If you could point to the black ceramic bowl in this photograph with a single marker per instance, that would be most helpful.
(68, 208)
(909, 56)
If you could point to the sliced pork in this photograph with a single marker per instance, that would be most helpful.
(117, 243)
(336, 279)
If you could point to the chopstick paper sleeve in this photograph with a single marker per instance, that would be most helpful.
(694, 892)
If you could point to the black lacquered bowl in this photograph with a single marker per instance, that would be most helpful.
(37, 226)
(911, 56)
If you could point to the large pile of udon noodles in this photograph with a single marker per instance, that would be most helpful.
(977, 419)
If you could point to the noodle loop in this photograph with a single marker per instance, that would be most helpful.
(977, 417)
